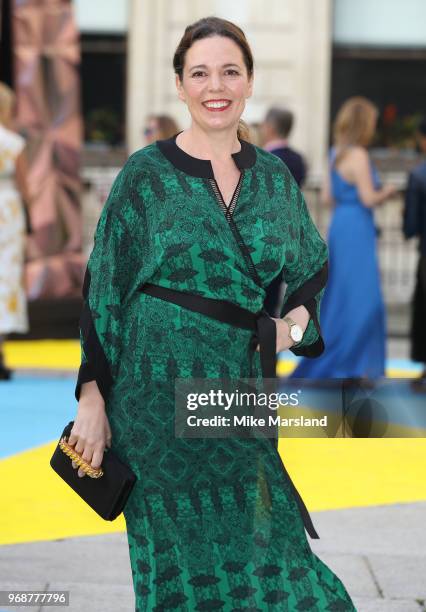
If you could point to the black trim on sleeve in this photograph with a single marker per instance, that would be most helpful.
(96, 367)
(305, 296)
(86, 283)
(85, 374)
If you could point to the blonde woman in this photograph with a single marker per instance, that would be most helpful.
(13, 309)
(352, 311)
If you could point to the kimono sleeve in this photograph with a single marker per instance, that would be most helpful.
(106, 284)
(305, 274)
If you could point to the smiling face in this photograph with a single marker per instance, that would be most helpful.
(215, 83)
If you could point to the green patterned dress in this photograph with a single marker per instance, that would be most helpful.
(212, 524)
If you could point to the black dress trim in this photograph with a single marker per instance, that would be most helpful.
(96, 367)
(85, 374)
(305, 296)
(202, 168)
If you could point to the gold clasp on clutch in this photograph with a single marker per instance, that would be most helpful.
(86, 467)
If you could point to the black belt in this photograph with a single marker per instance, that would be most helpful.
(264, 334)
(260, 324)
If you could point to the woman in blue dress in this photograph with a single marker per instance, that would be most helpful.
(352, 310)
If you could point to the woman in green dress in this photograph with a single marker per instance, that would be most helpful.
(194, 229)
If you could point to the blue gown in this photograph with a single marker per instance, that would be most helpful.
(352, 310)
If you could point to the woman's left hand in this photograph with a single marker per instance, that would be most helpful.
(284, 341)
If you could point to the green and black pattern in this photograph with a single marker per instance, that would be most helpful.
(212, 524)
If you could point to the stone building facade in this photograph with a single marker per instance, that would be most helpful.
(291, 42)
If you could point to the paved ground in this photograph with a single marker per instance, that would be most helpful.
(379, 553)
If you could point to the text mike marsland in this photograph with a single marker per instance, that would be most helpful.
(250, 421)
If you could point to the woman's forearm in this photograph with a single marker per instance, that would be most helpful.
(90, 393)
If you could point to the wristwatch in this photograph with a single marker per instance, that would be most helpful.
(295, 332)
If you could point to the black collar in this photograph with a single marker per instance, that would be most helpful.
(202, 168)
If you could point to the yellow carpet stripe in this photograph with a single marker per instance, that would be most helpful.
(38, 505)
(65, 354)
(55, 354)
(346, 473)
(400, 373)
(330, 474)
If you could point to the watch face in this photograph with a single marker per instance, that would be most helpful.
(296, 333)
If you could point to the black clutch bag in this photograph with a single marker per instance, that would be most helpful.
(105, 489)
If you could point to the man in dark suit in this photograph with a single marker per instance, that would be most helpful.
(275, 131)
(415, 225)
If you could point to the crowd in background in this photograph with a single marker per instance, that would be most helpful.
(353, 311)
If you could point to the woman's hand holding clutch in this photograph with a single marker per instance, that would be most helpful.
(91, 432)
